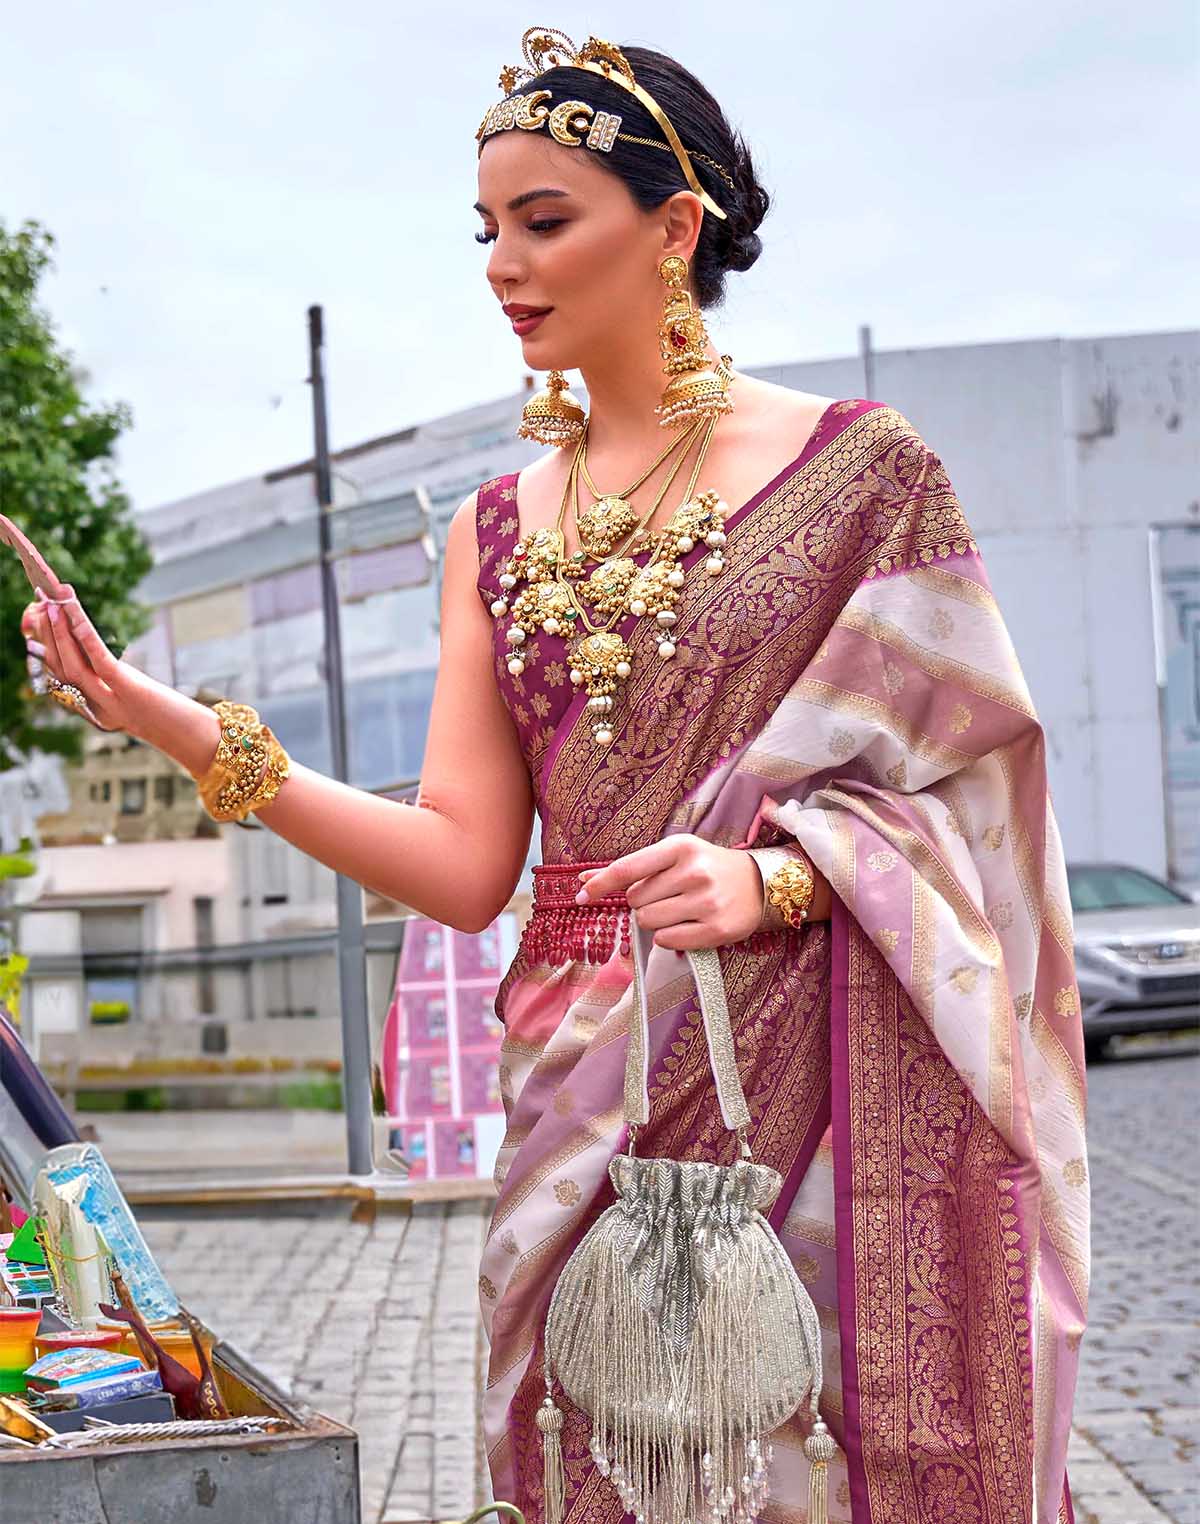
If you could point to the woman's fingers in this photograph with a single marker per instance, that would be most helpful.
(689, 934)
(685, 875)
(99, 657)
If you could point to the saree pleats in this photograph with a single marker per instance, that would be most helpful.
(914, 1066)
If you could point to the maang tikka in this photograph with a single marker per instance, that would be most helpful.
(554, 415)
(696, 389)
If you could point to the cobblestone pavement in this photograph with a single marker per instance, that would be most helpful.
(376, 1324)
(1138, 1408)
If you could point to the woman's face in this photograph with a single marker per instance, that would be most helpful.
(573, 259)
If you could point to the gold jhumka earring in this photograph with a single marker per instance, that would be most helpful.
(553, 416)
(695, 389)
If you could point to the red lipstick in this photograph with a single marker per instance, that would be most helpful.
(525, 319)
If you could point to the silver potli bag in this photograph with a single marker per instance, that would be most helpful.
(679, 1324)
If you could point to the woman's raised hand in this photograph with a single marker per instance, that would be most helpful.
(62, 637)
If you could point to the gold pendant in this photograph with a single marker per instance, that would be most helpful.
(608, 586)
(598, 663)
(539, 553)
(542, 603)
(605, 524)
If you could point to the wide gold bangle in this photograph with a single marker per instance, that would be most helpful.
(249, 766)
(788, 886)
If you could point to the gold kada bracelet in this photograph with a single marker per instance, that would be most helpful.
(788, 886)
(249, 767)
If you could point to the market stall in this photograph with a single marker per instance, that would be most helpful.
(116, 1402)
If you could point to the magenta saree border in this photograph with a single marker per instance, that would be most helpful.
(843, 1197)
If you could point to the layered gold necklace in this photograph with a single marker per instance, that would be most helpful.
(561, 596)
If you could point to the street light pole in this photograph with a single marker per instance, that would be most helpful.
(867, 351)
(352, 959)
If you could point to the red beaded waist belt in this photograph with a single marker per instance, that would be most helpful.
(560, 931)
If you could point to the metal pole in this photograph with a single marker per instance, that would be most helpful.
(352, 958)
(868, 361)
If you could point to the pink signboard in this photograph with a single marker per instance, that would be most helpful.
(441, 1047)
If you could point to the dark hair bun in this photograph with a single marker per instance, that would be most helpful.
(737, 240)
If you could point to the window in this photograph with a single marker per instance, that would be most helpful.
(274, 860)
(107, 787)
(109, 929)
(133, 796)
(164, 790)
(206, 1001)
(1116, 887)
(110, 1002)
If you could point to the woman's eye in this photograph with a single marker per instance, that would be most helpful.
(542, 225)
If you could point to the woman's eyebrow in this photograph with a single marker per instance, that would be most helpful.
(523, 199)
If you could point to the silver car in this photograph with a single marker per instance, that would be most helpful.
(1137, 952)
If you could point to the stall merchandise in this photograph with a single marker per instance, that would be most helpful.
(189, 1430)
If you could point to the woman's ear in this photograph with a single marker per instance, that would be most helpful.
(682, 215)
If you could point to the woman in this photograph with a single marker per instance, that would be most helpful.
(831, 676)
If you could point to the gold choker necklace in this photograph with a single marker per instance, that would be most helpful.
(556, 596)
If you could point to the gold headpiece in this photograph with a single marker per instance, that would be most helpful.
(572, 122)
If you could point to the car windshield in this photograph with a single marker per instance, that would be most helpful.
(1116, 888)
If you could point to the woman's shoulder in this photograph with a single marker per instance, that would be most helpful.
(776, 407)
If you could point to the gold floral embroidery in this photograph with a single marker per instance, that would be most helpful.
(893, 678)
(964, 978)
(993, 838)
(1001, 914)
(541, 705)
(487, 1288)
(567, 1193)
(806, 1267)
(1066, 1001)
(1022, 1005)
(953, 824)
(555, 674)
(884, 489)
(508, 526)
(487, 516)
(887, 938)
(521, 714)
(882, 862)
(898, 775)
(941, 625)
(1075, 1172)
(508, 1242)
(960, 719)
(842, 744)
(933, 1213)
(564, 1103)
(509, 495)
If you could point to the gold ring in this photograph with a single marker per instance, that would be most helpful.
(68, 695)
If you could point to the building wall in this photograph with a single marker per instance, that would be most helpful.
(1064, 454)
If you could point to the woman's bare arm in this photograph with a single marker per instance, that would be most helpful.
(457, 854)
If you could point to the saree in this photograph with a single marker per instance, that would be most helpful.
(914, 1066)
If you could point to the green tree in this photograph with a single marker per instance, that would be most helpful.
(58, 483)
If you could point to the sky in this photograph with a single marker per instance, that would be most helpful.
(947, 171)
